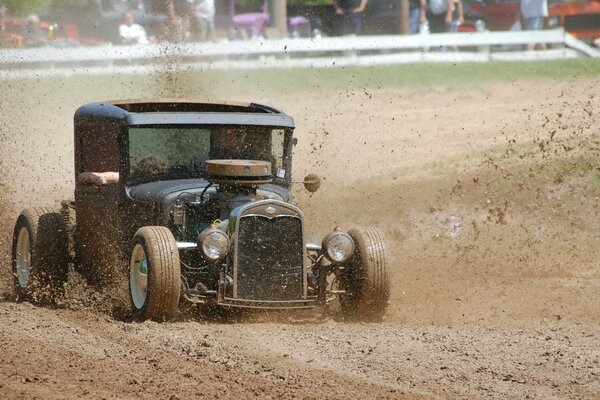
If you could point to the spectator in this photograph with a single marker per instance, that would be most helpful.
(534, 12)
(180, 14)
(439, 15)
(33, 34)
(417, 10)
(349, 14)
(205, 18)
(130, 32)
(458, 16)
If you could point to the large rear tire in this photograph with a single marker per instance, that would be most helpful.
(40, 255)
(154, 274)
(366, 279)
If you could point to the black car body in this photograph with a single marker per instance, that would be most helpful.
(196, 198)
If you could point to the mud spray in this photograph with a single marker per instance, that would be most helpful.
(488, 197)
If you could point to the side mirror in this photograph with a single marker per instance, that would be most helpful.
(312, 182)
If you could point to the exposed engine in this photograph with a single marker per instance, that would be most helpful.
(200, 218)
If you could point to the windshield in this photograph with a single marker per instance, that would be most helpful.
(159, 151)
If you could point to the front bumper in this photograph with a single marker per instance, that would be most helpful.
(269, 304)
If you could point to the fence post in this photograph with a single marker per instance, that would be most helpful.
(280, 16)
(402, 17)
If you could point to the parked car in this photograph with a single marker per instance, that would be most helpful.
(580, 18)
(192, 200)
(25, 32)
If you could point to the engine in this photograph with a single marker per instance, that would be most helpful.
(250, 244)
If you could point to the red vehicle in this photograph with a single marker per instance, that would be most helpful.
(499, 15)
(580, 18)
(25, 32)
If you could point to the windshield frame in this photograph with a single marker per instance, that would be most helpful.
(130, 180)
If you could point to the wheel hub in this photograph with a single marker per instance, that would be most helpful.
(23, 259)
(138, 276)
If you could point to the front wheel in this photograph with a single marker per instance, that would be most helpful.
(154, 274)
(365, 279)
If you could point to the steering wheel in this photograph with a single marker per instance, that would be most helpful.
(151, 165)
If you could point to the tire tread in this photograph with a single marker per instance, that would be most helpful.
(367, 277)
(49, 253)
(164, 275)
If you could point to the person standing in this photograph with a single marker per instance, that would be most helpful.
(458, 16)
(534, 12)
(130, 32)
(349, 14)
(205, 19)
(416, 14)
(439, 15)
(179, 15)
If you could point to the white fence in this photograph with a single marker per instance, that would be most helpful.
(290, 53)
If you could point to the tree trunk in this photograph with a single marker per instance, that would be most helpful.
(402, 15)
(279, 8)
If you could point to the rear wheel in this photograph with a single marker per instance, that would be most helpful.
(154, 274)
(40, 259)
(365, 279)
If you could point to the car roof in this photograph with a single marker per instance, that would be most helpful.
(138, 112)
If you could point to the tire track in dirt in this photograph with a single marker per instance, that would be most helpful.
(491, 209)
(94, 355)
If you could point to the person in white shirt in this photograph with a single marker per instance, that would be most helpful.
(130, 32)
(205, 15)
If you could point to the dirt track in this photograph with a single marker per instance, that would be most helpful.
(489, 200)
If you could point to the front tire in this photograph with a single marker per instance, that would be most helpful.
(366, 279)
(154, 274)
(40, 259)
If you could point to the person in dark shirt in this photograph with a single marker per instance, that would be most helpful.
(179, 13)
(439, 15)
(349, 14)
(417, 10)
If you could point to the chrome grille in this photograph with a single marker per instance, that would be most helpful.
(270, 258)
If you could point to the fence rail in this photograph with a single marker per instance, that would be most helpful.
(303, 52)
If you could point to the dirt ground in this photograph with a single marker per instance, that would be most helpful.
(488, 197)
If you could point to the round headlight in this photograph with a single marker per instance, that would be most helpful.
(338, 246)
(214, 243)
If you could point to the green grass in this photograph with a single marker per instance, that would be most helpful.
(411, 75)
(232, 83)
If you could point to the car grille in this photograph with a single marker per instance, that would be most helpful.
(270, 258)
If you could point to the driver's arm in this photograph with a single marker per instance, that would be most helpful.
(98, 178)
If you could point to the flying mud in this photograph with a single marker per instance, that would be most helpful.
(488, 197)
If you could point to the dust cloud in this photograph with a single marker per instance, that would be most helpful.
(489, 201)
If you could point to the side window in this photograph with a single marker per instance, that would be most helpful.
(98, 149)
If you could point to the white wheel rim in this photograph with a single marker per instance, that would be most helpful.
(23, 257)
(138, 276)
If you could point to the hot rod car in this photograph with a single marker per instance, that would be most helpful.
(193, 200)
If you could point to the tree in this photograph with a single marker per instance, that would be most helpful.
(402, 14)
(25, 7)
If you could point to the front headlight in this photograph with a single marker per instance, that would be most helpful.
(214, 243)
(338, 246)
